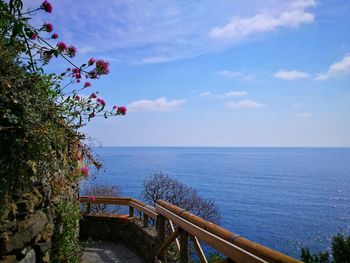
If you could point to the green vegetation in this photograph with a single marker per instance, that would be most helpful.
(340, 252)
(40, 119)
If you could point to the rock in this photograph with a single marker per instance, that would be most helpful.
(29, 258)
(47, 233)
(24, 207)
(34, 197)
(43, 247)
(8, 259)
(28, 229)
(5, 244)
(46, 257)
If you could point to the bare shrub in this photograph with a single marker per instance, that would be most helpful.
(161, 186)
(103, 190)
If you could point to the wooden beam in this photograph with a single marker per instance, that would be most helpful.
(131, 211)
(199, 249)
(144, 209)
(167, 243)
(177, 243)
(230, 250)
(260, 251)
(184, 252)
(161, 230)
(145, 220)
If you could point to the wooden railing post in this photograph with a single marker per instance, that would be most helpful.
(131, 211)
(145, 220)
(161, 231)
(88, 208)
(184, 255)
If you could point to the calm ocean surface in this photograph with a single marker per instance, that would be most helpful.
(283, 198)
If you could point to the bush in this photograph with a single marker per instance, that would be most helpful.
(103, 190)
(160, 186)
(340, 252)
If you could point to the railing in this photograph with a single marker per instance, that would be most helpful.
(184, 226)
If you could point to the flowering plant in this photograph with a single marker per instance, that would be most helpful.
(38, 50)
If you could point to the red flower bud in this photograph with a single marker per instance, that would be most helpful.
(46, 6)
(48, 27)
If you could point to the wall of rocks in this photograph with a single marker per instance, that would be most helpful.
(132, 233)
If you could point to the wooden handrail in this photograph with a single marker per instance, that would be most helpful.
(259, 250)
(126, 201)
(237, 248)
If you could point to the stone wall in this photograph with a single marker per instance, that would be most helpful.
(132, 233)
(26, 228)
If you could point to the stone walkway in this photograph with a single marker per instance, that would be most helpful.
(101, 252)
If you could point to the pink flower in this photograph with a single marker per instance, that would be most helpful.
(54, 36)
(92, 198)
(102, 67)
(48, 27)
(121, 110)
(84, 170)
(93, 96)
(71, 50)
(98, 100)
(46, 6)
(87, 84)
(75, 70)
(92, 115)
(77, 76)
(33, 36)
(91, 61)
(61, 46)
(77, 97)
(103, 102)
(114, 107)
(68, 69)
(78, 81)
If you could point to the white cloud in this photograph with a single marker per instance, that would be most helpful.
(235, 93)
(340, 68)
(160, 104)
(206, 94)
(240, 28)
(247, 104)
(235, 74)
(304, 115)
(291, 75)
(229, 94)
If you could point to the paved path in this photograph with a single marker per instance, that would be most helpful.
(101, 252)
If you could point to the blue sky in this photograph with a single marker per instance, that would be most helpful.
(216, 73)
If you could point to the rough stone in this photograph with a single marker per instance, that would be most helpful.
(29, 228)
(24, 207)
(46, 257)
(29, 258)
(47, 233)
(43, 247)
(34, 196)
(8, 259)
(5, 244)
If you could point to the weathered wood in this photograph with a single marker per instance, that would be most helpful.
(230, 250)
(172, 228)
(131, 211)
(144, 209)
(167, 243)
(161, 230)
(199, 249)
(250, 246)
(106, 200)
(145, 220)
(184, 253)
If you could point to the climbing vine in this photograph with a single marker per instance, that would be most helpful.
(41, 115)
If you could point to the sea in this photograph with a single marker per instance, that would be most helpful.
(283, 198)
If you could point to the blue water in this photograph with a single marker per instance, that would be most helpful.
(283, 198)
